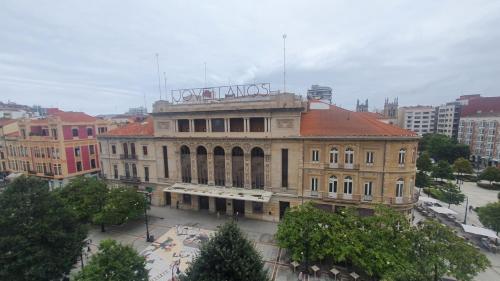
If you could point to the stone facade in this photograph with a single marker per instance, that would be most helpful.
(255, 144)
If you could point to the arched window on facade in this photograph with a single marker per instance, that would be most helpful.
(185, 164)
(349, 157)
(332, 186)
(237, 166)
(348, 185)
(334, 156)
(257, 168)
(201, 165)
(402, 156)
(219, 166)
(400, 187)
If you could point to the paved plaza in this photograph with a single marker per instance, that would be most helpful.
(171, 226)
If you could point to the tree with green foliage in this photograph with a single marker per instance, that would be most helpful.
(114, 262)
(451, 194)
(422, 179)
(436, 251)
(462, 166)
(40, 239)
(424, 162)
(442, 170)
(490, 174)
(228, 255)
(122, 204)
(489, 215)
(441, 147)
(86, 196)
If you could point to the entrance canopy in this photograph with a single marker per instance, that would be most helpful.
(255, 195)
(479, 231)
(442, 210)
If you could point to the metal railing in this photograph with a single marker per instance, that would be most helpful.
(128, 156)
(130, 179)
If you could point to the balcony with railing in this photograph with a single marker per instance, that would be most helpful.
(128, 156)
(130, 179)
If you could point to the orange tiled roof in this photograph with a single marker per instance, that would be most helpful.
(339, 122)
(375, 115)
(145, 128)
(71, 116)
(6, 121)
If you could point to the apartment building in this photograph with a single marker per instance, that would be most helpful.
(257, 155)
(448, 118)
(419, 119)
(57, 148)
(479, 123)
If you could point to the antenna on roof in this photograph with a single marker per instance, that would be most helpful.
(145, 102)
(205, 74)
(165, 79)
(284, 63)
(158, 69)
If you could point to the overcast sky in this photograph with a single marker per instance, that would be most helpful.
(99, 56)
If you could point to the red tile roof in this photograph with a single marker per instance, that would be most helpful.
(75, 117)
(482, 106)
(375, 115)
(145, 128)
(339, 122)
(5, 121)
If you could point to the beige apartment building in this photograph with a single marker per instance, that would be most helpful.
(257, 155)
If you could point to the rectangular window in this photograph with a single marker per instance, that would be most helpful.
(100, 147)
(78, 166)
(284, 167)
(257, 124)
(134, 170)
(315, 155)
(74, 132)
(257, 207)
(165, 161)
(146, 173)
(186, 199)
(145, 150)
(200, 125)
(236, 125)
(92, 164)
(77, 152)
(218, 125)
(91, 149)
(132, 148)
(183, 125)
(369, 157)
(113, 149)
(54, 133)
(90, 132)
(368, 188)
(314, 184)
(115, 171)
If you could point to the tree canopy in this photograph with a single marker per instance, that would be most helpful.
(451, 194)
(441, 147)
(40, 239)
(442, 170)
(489, 215)
(490, 174)
(114, 262)
(122, 204)
(424, 162)
(384, 245)
(422, 179)
(229, 256)
(462, 166)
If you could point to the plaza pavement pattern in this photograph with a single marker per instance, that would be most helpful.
(165, 221)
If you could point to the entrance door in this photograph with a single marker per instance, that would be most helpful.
(239, 206)
(203, 202)
(283, 206)
(168, 199)
(220, 205)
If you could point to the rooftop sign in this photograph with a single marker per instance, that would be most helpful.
(221, 92)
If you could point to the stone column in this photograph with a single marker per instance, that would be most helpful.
(229, 168)
(267, 171)
(247, 170)
(178, 172)
(210, 167)
(194, 170)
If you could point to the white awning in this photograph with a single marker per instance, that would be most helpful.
(255, 195)
(442, 210)
(427, 199)
(479, 231)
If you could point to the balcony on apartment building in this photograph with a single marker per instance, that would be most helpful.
(128, 156)
(130, 179)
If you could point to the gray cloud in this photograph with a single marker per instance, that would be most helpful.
(99, 56)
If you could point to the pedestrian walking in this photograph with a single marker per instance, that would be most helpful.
(237, 215)
(301, 276)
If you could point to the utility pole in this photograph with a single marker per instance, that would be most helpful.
(284, 63)
(466, 207)
(165, 79)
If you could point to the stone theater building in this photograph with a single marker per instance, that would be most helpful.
(256, 155)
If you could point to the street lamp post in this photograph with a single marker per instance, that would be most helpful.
(148, 199)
